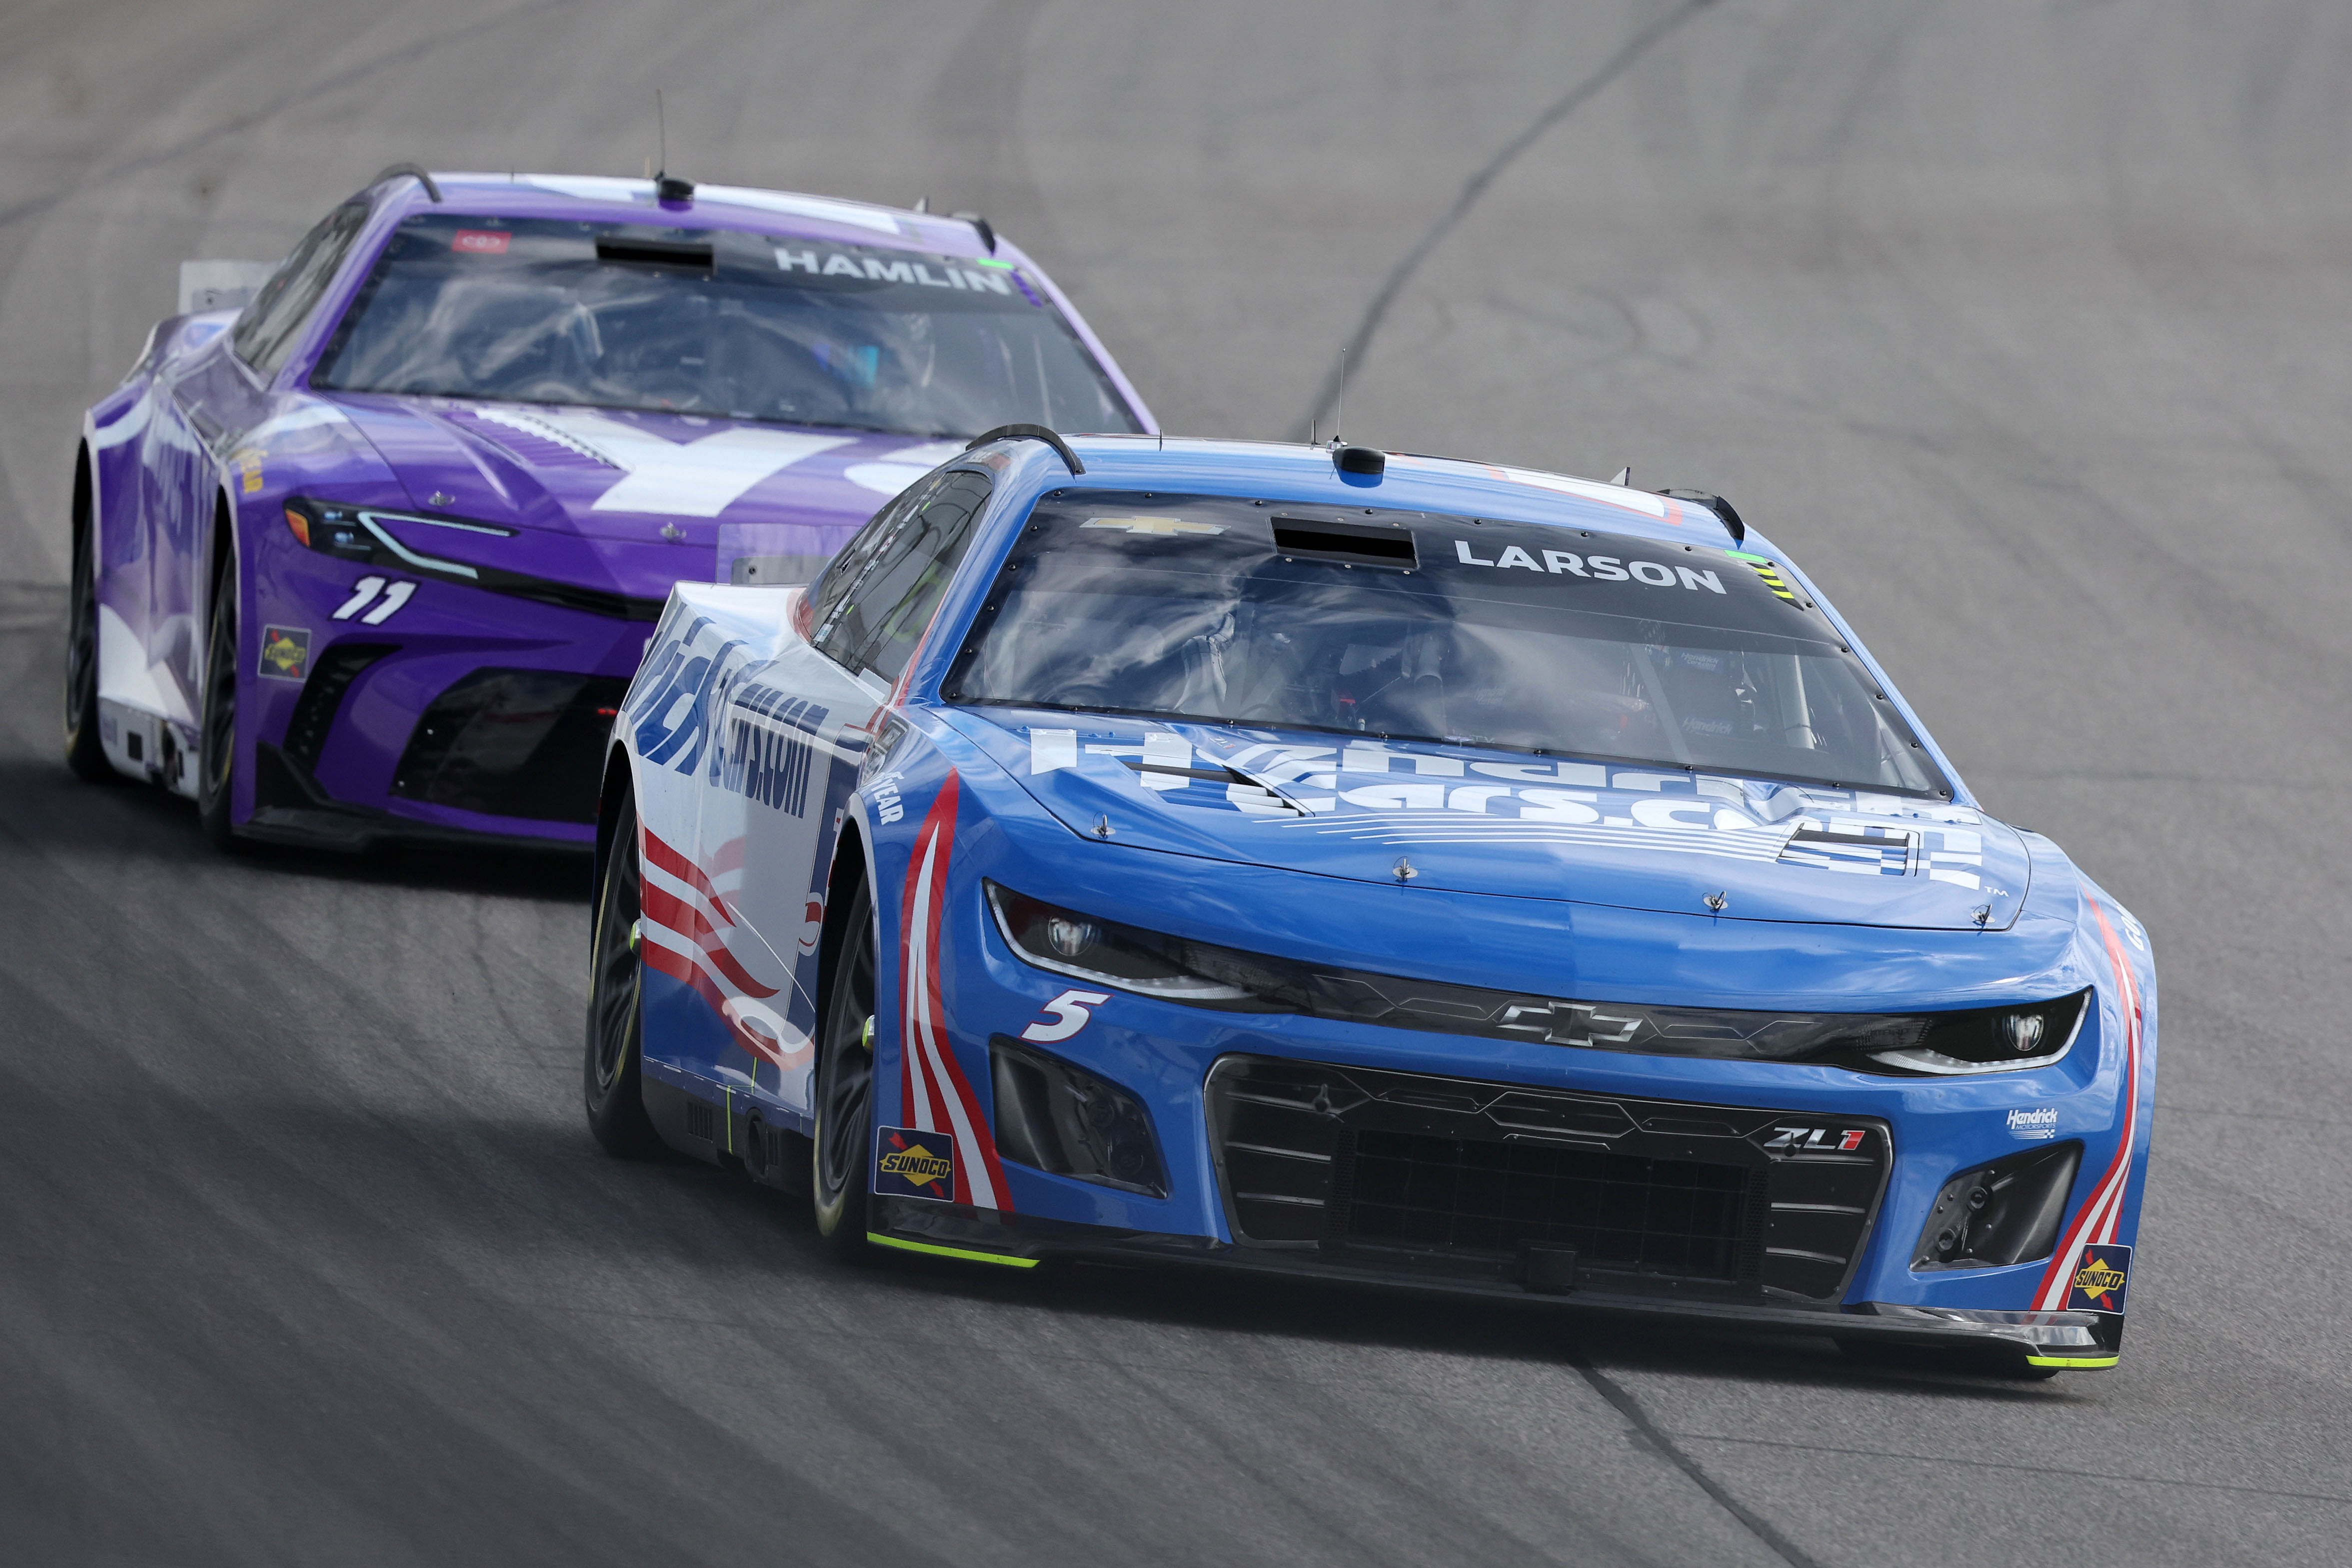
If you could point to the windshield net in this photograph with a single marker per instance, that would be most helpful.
(1413, 626)
(715, 322)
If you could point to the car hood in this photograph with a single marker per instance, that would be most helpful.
(702, 494)
(1508, 823)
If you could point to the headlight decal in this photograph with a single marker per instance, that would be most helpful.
(2009, 1039)
(363, 536)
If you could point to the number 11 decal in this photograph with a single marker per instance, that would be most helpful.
(366, 589)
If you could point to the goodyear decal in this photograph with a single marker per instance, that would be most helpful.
(1769, 570)
(912, 1163)
(2102, 1275)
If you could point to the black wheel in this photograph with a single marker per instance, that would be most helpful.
(217, 742)
(616, 1105)
(85, 753)
(844, 1091)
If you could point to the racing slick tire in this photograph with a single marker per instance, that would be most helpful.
(611, 1071)
(216, 734)
(844, 1092)
(84, 751)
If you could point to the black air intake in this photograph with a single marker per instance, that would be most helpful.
(1059, 1117)
(514, 743)
(322, 697)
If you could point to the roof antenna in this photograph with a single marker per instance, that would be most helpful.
(1340, 415)
(1624, 476)
(922, 203)
(667, 187)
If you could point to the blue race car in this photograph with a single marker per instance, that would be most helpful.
(1364, 867)
(375, 555)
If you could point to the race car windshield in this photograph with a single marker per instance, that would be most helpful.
(715, 322)
(1413, 626)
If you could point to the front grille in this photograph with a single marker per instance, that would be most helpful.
(513, 743)
(1417, 1173)
(1684, 1217)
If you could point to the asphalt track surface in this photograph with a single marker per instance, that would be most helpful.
(2021, 324)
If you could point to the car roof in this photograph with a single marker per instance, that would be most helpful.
(600, 198)
(1296, 471)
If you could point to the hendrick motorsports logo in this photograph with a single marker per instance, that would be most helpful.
(2041, 1122)
(2101, 1277)
(912, 1163)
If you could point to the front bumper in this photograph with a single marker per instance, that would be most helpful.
(468, 715)
(1607, 1204)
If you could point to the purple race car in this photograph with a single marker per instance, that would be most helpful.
(377, 555)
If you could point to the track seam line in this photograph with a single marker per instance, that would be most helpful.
(1476, 187)
(1655, 1435)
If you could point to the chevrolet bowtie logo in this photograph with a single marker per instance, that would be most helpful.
(1154, 525)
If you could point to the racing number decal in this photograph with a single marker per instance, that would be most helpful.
(1070, 1012)
(365, 590)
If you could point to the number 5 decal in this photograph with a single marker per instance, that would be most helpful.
(1071, 1011)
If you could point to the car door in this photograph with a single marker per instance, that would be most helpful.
(206, 406)
(792, 733)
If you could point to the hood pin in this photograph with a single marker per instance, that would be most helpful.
(1983, 916)
(440, 499)
(1404, 872)
(1716, 901)
(672, 532)
(1102, 827)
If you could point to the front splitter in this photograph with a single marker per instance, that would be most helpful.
(2068, 1341)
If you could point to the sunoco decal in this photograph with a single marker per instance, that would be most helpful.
(912, 1163)
(286, 652)
(2102, 1275)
